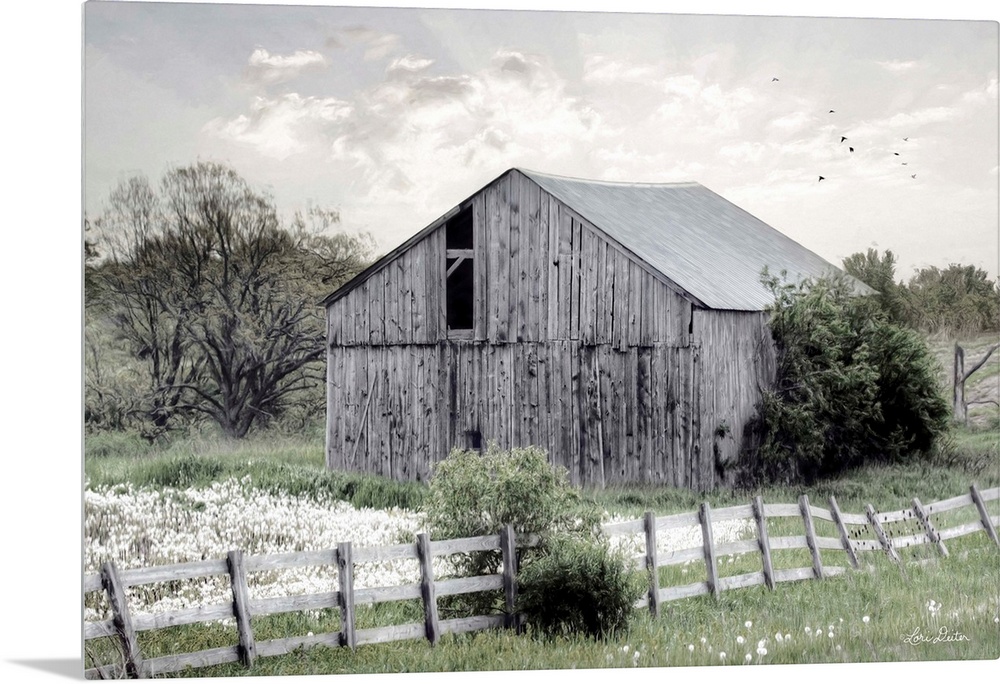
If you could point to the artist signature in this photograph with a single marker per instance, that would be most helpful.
(944, 635)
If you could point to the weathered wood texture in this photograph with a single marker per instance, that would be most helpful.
(577, 346)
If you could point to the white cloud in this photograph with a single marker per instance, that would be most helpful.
(897, 66)
(280, 127)
(268, 69)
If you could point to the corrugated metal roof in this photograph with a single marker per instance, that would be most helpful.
(705, 244)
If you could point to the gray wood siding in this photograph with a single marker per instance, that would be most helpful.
(576, 346)
(608, 416)
(542, 273)
(738, 361)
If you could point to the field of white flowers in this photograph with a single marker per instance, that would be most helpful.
(143, 527)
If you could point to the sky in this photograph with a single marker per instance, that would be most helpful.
(683, 94)
(393, 116)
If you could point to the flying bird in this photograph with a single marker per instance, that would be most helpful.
(774, 79)
(851, 149)
(913, 175)
(905, 139)
(896, 153)
(821, 178)
(842, 138)
(831, 111)
(904, 163)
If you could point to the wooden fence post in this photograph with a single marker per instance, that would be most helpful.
(880, 533)
(508, 549)
(845, 538)
(432, 628)
(345, 597)
(711, 568)
(925, 520)
(763, 541)
(807, 521)
(241, 607)
(652, 562)
(984, 514)
(122, 619)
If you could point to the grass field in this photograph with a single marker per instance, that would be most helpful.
(885, 615)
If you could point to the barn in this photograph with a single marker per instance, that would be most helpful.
(620, 326)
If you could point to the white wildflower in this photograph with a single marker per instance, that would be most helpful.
(748, 624)
(740, 639)
(865, 619)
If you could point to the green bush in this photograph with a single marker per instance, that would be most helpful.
(578, 585)
(472, 494)
(851, 389)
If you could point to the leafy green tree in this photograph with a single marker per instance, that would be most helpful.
(852, 388)
(213, 297)
(879, 273)
(960, 299)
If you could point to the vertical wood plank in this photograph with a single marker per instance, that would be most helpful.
(708, 542)
(345, 597)
(515, 309)
(984, 514)
(551, 256)
(432, 627)
(807, 521)
(480, 306)
(536, 263)
(122, 619)
(509, 554)
(880, 533)
(504, 278)
(763, 541)
(241, 607)
(845, 538)
(574, 307)
(652, 562)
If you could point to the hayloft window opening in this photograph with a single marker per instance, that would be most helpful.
(460, 274)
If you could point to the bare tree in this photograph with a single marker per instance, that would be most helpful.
(213, 295)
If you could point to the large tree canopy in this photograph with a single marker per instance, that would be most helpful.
(214, 297)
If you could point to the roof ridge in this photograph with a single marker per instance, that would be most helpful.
(530, 172)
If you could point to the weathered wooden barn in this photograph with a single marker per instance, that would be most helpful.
(620, 326)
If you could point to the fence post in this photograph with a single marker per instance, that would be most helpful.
(345, 597)
(807, 520)
(763, 541)
(241, 607)
(122, 619)
(652, 562)
(711, 568)
(432, 628)
(932, 534)
(880, 533)
(984, 514)
(845, 538)
(508, 548)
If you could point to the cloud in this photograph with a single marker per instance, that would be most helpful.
(267, 69)
(376, 45)
(280, 127)
(897, 66)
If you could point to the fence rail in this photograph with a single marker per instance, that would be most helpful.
(125, 626)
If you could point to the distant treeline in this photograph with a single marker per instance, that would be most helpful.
(958, 300)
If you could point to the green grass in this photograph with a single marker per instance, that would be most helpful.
(966, 584)
(291, 465)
